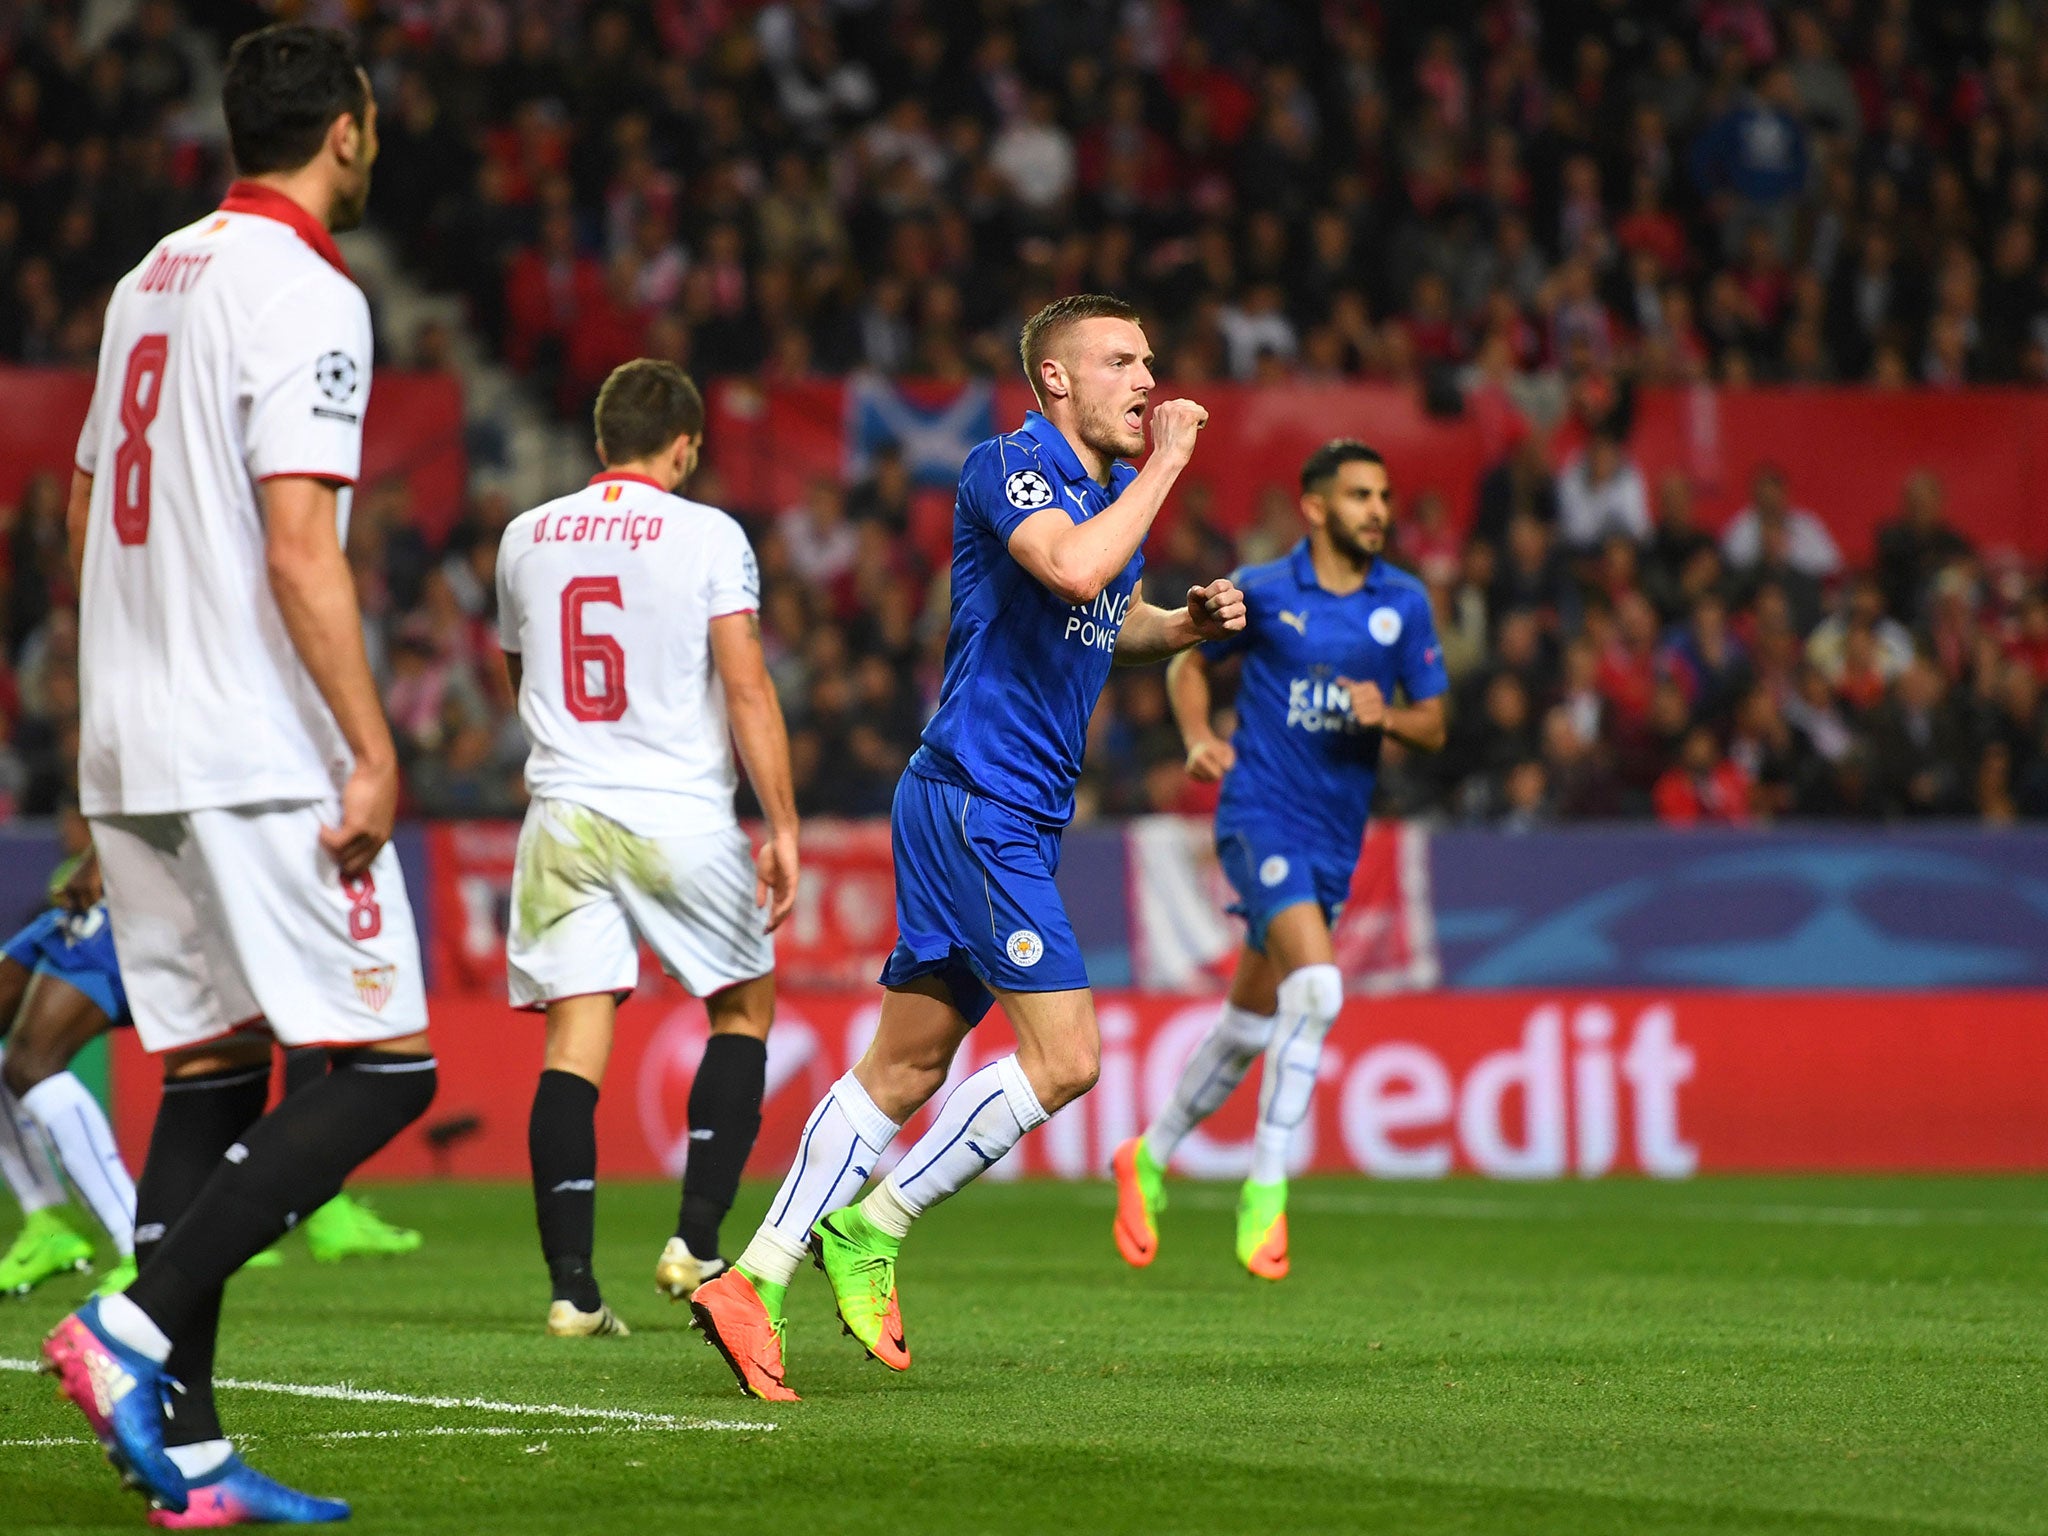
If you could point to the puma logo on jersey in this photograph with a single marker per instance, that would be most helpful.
(1298, 622)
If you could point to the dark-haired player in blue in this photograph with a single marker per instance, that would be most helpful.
(1046, 535)
(1332, 633)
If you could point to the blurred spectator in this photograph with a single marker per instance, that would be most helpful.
(1911, 548)
(1519, 485)
(1919, 749)
(1530, 573)
(883, 496)
(1773, 570)
(1771, 756)
(1601, 492)
(1706, 660)
(1886, 645)
(1578, 782)
(1751, 162)
(820, 542)
(1678, 542)
(1704, 785)
(1034, 156)
(1808, 546)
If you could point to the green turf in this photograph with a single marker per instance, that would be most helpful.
(1727, 1356)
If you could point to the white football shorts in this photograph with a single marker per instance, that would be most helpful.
(583, 887)
(228, 918)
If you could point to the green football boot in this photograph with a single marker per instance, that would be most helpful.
(1262, 1229)
(1140, 1197)
(346, 1228)
(118, 1279)
(51, 1243)
(860, 1261)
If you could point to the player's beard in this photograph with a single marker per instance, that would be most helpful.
(347, 210)
(1104, 429)
(1361, 547)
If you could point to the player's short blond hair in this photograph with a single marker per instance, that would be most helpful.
(1044, 329)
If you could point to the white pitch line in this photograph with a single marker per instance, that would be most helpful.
(439, 1431)
(633, 1417)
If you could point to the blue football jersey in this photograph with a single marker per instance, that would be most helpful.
(1301, 758)
(1023, 668)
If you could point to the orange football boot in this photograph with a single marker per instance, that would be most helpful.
(739, 1326)
(1140, 1196)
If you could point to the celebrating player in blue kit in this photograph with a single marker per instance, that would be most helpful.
(1046, 535)
(1332, 631)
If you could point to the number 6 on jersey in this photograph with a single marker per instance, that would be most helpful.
(593, 666)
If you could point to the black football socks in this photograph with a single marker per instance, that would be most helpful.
(561, 1143)
(725, 1117)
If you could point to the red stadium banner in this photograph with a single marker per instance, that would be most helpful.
(1846, 451)
(841, 931)
(1508, 1085)
(413, 433)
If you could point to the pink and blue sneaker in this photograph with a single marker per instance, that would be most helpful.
(235, 1493)
(121, 1393)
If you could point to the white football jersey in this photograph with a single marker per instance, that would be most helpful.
(238, 351)
(607, 595)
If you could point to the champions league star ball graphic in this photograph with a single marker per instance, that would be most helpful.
(1824, 915)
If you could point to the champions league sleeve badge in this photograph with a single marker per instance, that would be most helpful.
(1028, 489)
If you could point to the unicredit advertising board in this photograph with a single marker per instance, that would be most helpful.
(1510, 1085)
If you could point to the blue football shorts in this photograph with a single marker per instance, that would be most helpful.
(78, 951)
(1270, 871)
(975, 901)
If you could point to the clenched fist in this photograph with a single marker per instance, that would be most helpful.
(1174, 425)
(1217, 609)
(1209, 760)
(1368, 704)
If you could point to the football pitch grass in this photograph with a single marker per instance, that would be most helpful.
(1731, 1355)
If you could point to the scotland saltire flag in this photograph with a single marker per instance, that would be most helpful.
(935, 428)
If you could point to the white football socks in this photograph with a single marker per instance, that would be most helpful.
(25, 1158)
(77, 1127)
(1309, 1001)
(980, 1121)
(1212, 1074)
(885, 1208)
(842, 1141)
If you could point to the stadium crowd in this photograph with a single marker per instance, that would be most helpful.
(1556, 201)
